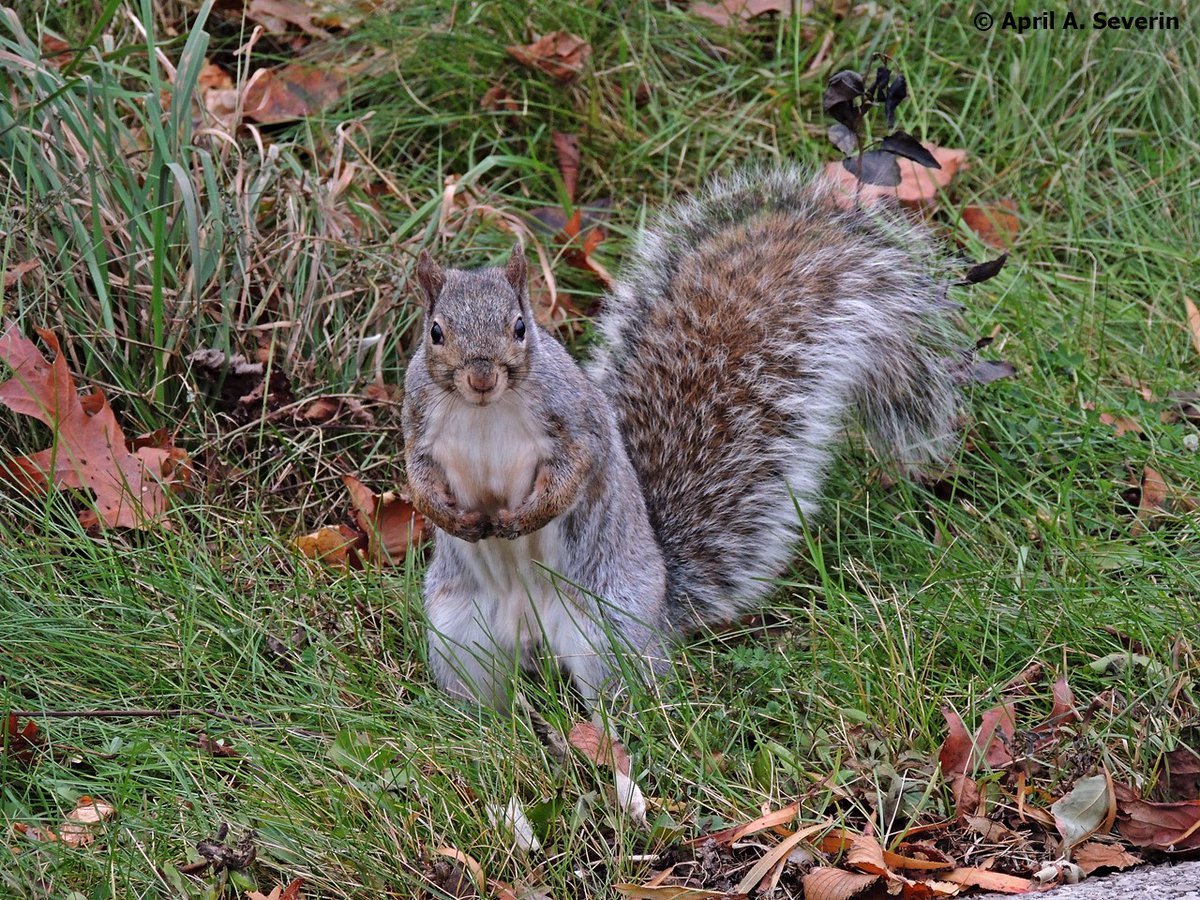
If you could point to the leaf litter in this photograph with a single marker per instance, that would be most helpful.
(129, 482)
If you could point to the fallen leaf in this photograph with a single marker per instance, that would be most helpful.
(558, 54)
(22, 741)
(1094, 855)
(1171, 827)
(78, 828)
(672, 892)
(332, 546)
(471, 864)
(918, 186)
(768, 820)
(826, 883)
(996, 225)
(292, 92)
(727, 12)
(213, 78)
(566, 146)
(497, 97)
(1122, 425)
(988, 880)
(20, 270)
(1081, 811)
(389, 520)
(329, 410)
(579, 252)
(129, 486)
(1152, 500)
(1193, 321)
(599, 747)
(1181, 779)
(56, 52)
(276, 15)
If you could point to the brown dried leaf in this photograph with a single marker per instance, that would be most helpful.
(1181, 779)
(56, 52)
(558, 54)
(292, 92)
(1153, 500)
(1193, 321)
(996, 225)
(727, 12)
(1171, 827)
(866, 855)
(1121, 424)
(672, 892)
(737, 832)
(918, 186)
(1093, 855)
(19, 271)
(567, 148)
(598, 747)
(213, 78)
(988, 880)
(497, 97)
(826, 883)
(90, 450)
(389, 520)
(276, 15)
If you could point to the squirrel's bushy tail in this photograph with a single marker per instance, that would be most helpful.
(754, 323)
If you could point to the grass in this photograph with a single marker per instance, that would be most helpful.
(905, 597)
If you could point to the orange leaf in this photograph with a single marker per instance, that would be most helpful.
(995, 225)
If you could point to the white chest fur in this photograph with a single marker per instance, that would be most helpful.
(490, 453)
(490, 456)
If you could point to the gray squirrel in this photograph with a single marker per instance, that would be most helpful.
(656, 491)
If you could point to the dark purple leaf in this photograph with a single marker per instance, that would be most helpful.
(877, 167)
(843, 138)
(843, 87)
(904, 144)
(895, 95)
(984, 271)
(878, 89)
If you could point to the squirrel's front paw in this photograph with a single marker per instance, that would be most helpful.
(472, 526)
(512, 525)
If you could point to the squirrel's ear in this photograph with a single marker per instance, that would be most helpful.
(432, 278)
(517, 272)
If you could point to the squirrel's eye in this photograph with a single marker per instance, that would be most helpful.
(519, 329)
(435, 334)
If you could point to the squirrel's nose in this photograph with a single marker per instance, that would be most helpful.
(482, 380)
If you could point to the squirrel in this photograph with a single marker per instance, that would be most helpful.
(659, 488)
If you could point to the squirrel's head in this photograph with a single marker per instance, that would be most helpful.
(479, 327)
